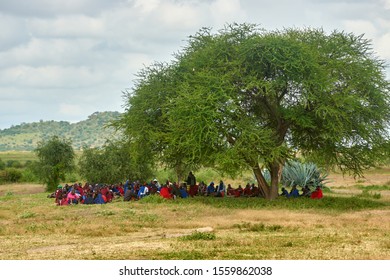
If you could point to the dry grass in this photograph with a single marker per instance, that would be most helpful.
(32, 227)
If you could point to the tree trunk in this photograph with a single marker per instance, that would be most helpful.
(269, 192)
(275, 171)
(263, 185)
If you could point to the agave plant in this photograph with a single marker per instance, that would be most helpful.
(303, 174)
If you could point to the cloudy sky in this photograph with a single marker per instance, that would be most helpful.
(64, 60)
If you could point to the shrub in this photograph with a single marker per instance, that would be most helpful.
(14, 163)
(2, 165)
(12, 175)
(29, 176)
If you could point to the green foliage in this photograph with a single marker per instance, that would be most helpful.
(29, 176)
(112, 163)
(12, 175)
(55, 160)
(2, 164)
(14, 164)
(302, 174)
(246, 98)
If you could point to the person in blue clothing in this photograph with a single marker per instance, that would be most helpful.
(183, 191)
(210, 189)
(143, 191)
(126, 186)
(221, 189)
(284, 192)
(294, 192)
(98, 198)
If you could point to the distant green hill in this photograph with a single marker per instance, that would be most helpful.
(91, 132)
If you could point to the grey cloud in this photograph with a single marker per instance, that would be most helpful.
(52, 8)
(13, 32)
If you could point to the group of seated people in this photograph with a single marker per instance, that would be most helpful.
(103, 193)
(87, 194)
(306, 192)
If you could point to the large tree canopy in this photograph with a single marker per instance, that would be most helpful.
(250, 98)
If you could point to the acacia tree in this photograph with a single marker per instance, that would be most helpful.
(249, 98)
(55, 160)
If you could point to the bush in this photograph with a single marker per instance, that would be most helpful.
(29, 176)
(2, 165)
(14, 163)
(12, 175)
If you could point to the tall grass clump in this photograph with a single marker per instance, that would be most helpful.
(199, 236)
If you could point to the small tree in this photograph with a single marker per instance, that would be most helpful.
(111, 164)
(55, 160)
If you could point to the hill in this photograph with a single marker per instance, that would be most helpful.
(92, 132)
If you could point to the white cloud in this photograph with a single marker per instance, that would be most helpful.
(12, 32)
(361, 27)
(383, 48)
(52, 76)
(146, 7)
(226, 11)
(52, 8)
(386, 4)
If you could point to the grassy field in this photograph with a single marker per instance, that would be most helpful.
(351, 222)
(22, 157)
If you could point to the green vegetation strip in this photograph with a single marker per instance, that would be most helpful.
(338, 204)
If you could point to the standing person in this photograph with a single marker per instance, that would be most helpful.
(191, 180)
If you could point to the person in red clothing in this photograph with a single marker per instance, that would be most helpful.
(317, 194)
(164, 192)
(58, 194)
(230, 191)
(64, 200)
(193, 190)
(247, 190)
(238, 191)
(79, 189)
